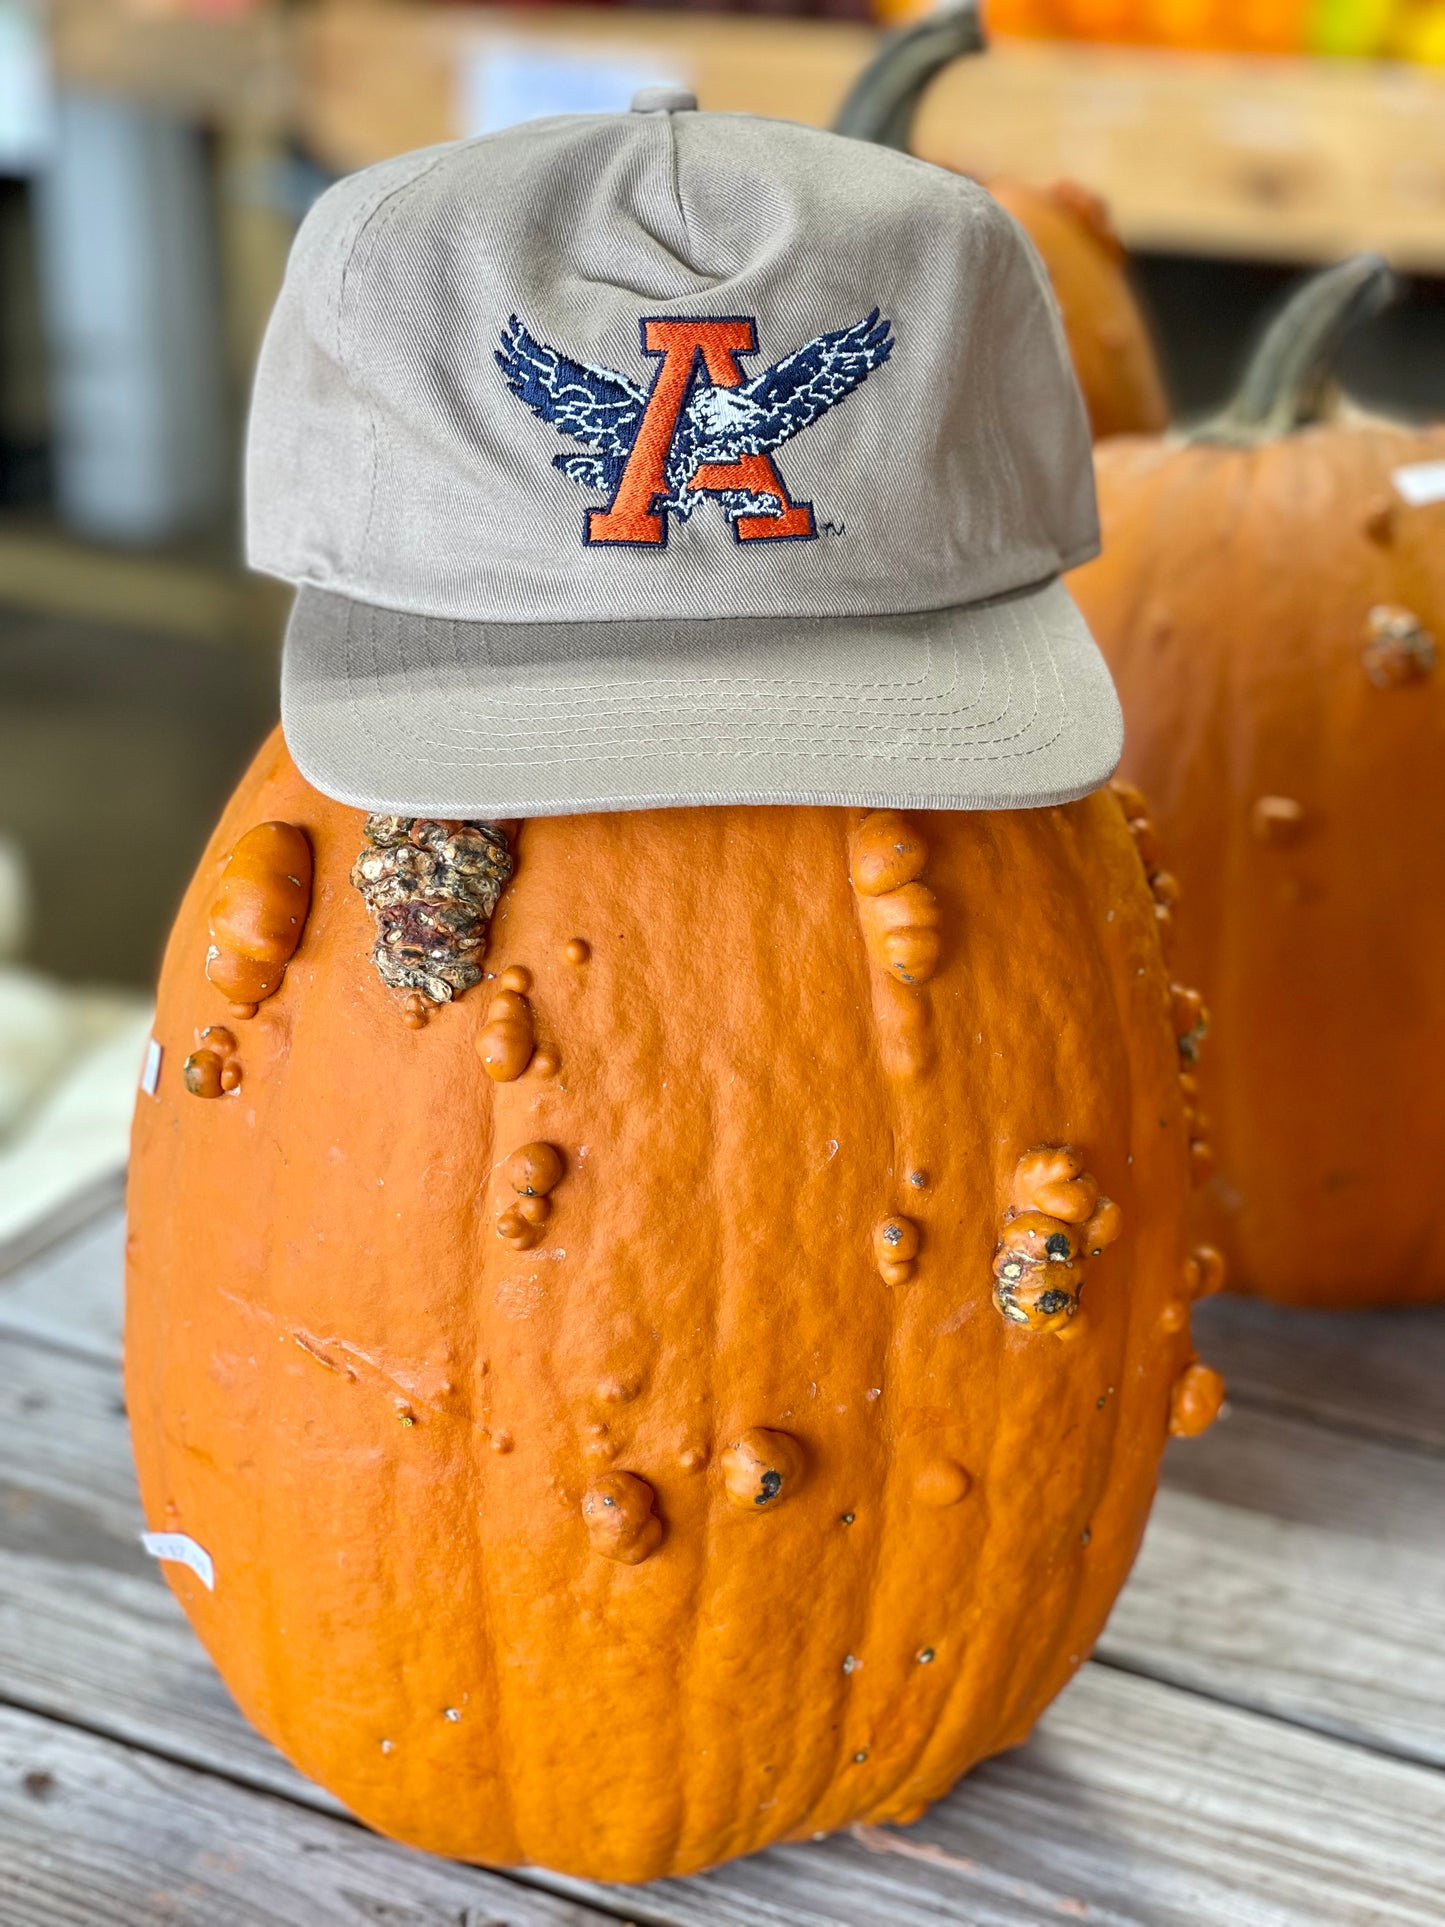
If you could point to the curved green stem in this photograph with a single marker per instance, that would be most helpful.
(1290, 378)
(884, 98)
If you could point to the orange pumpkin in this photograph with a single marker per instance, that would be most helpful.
(662, 1429)
(1268, 595)
(1108, 340)
(1258, 26)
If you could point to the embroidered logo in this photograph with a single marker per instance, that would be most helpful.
(699, 430)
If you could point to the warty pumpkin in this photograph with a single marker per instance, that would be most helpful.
(1108, 338)
(613, 1346)
(1268, 596)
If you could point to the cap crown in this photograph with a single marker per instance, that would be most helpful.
(486, 354)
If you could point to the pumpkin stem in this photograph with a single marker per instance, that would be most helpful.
(883, 100)
(1289, 382)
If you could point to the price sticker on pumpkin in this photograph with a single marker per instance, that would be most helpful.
(150, 1076)
(181, 1548)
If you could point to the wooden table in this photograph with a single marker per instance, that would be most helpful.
(1259, 1741)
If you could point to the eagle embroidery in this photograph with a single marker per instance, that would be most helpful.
(699, 430)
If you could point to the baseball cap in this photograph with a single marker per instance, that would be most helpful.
(665, 457)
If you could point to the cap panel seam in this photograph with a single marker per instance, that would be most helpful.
(674, 177)
(362, 219)
(383, 211)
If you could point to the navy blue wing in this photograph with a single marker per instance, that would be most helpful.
(595, 406)
(787, 397)
(602, 472)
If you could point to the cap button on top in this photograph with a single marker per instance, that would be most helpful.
(664, 100)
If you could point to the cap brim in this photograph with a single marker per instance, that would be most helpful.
(1000, 705)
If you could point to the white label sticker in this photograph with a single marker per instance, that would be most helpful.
(180, 1547)
(150, 1075)
(1421, 483)
(503, 84)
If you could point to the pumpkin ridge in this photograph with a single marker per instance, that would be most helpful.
(1105, 1476)
(479, 1696)
(1057, 1120)
(911, 1304)
(1012, 1718)
(690, 1749)
(488, 1645)
(994, 856)
(809, 1807)
(883, 1506)
(693, 1780)
(896, 1084)
(624, 1590)
(998, 857)
(481, 1663)
(1081, 1629)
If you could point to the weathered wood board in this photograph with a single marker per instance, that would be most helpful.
(1260, 1746)
(71, 1293)
(92, 1832)
(1381, 1372)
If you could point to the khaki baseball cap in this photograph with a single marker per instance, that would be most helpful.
(644, 459)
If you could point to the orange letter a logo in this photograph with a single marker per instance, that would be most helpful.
(659, 454)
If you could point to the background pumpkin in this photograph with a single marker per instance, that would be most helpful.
(1258, 26)
(1108, 340)
(1267, 596)
(641, 1530)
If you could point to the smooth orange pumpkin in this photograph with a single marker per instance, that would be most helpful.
(1268, 596)
(1258, 26)
(1109, 342)
(650, 1440)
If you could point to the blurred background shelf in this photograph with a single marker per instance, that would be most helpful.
(1256, 158)
(184, 594)
(1246, 156)
(237, 67)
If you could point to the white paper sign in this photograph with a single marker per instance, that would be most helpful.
(181, 1548)
(1421, 483)
(516, 81)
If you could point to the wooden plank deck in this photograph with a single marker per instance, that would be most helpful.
(1260, 1741)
